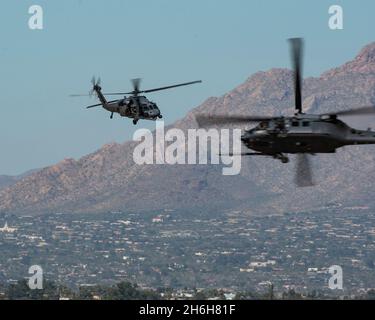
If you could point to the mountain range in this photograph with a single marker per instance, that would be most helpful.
(109, 180)
(6, 180)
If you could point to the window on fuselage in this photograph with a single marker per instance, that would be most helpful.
(305, 123)
(295, 123)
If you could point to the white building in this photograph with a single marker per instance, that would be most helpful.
(7, 229)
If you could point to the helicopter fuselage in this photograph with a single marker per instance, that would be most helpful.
(128, 107)
(304, 133)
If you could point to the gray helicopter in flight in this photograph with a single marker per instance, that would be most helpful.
(302, 134)
(135, 106)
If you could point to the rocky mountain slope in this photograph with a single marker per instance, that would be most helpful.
(108, 179)
(6, 180)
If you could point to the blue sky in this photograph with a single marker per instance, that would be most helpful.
(164, 42)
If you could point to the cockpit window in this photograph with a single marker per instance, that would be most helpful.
(142, 99)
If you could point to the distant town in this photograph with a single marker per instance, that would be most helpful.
(190, 252)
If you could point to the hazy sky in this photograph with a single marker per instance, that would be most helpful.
(162, 41)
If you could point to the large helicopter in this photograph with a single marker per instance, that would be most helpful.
(301, 134)
(135, 106)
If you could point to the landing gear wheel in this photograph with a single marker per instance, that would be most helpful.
(160, 116)
(281, 157)
(135, 121)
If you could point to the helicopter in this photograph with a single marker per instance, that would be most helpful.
(135, 106)
(302, 134)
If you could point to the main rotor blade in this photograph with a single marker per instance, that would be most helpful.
(304, 176)
(208, 120)
(352, 111)
(100, 104)
(170, 87)
(79, 95)
(297, 53)
(150, 90)
(118, 93)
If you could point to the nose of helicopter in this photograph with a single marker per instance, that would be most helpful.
(246, 136)
(156, 110)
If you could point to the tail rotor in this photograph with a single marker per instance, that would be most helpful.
(95, 86)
